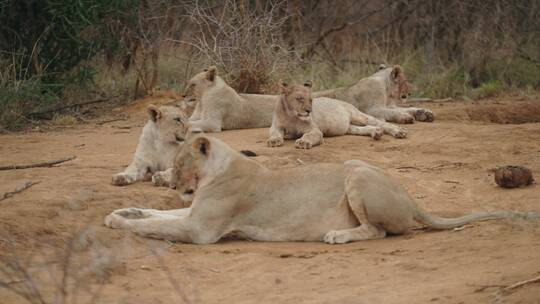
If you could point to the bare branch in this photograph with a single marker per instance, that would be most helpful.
(41, 164)
(20, 189)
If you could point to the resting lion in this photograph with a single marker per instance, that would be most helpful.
(377, 95)
(297, 115)
(335, 203)
(160, 139)
(218, 106)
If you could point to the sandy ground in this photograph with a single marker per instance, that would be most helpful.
(445, 165)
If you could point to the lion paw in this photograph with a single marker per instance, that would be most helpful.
(274, 142)
(160, 179)
(336, 237)
(302, 144)
(399, 132)
(405, 119)
(122, 179)
(131, 213)
(424, 115)
(115, 221)
(377, 133)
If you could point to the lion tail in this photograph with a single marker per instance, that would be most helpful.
(436, 222)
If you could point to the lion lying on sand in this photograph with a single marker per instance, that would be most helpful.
(230, 193)
(297, 115)
(377, 95)
(165, 131)
(218, 106)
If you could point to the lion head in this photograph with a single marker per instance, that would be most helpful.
(399, 88)
(189, 166)
(297, 101)
(171, 124)
(197, 86)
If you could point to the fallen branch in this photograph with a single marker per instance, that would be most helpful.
(429, 100)
(110, 120)
(407, 167)
(19, 189)
(41, 113)
(36, 165)
(522, 283)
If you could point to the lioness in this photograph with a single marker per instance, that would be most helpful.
(297, 115)
(377, 95)
(218, 106)
(160, 139)
(335, 203)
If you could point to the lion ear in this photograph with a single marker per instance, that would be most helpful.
(154, 113)
(397, 71)
(211, 73)
(382, 66)
(202, 144)
(284, 87)
(308, 84)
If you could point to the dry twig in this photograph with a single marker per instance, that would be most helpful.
(429, 100)
(19, 189)
(521, 284)
(36, 165)
(110, 120)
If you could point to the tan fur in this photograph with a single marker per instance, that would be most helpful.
(159, 142)
(218, 107)
(300, 117)
(335, 203)
(378, 94)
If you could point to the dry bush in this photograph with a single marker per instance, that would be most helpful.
(244, 39)
(77, 272)
(52, 274)
(141, 33)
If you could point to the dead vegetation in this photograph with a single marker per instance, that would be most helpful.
(449, 49)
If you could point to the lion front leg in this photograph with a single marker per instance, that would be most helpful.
(309, 139)
(173, 225)
(421, 114)
(397, 115)
(134, 172)
(276, 137)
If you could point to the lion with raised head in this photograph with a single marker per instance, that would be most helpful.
(299, 117)
(378, 94)
(218, 106)
(335, 203)
(162, 135)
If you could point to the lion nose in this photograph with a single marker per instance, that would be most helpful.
(188, 191)
(403, 96)
(184, 95)
(308, 111)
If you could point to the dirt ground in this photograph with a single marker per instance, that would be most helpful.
(446, 165)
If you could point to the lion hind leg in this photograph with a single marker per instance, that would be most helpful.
(374, 132)
(366, 230)
(363, 232)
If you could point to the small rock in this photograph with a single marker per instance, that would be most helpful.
(513, 176)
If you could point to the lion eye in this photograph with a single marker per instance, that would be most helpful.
(178, 119)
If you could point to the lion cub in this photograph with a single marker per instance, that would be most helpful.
(160, 140)
(298, 116)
